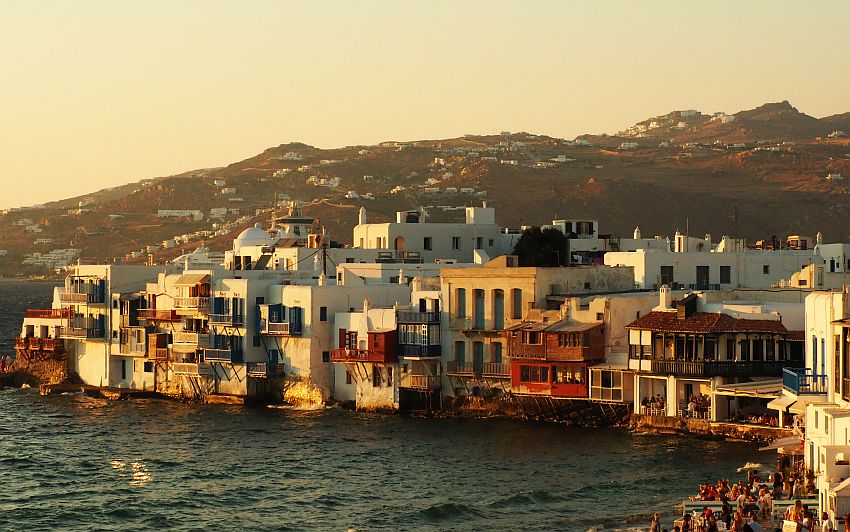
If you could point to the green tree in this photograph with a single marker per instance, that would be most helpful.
(548, 247)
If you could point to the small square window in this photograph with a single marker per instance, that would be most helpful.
(323, 313)
(766, 269)
(600, 316)
(490, 242)
(587, 286)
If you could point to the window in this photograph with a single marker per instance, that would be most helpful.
(460, 352)
(261, 300)
(326, 356)
(532, 337)
(323, 313)
(496, 352)
(666, 276)
(479, 242)
(460, 302)
(600, 316)
(516, 304)
(148, 367)
(587, 286)
(376, 377)
(426, 244)
(765, 269)
(389, 376)
(455, 242)
(533, 373)
(123, 369)
(257, 342)
(348, 379)
(725, 275)
(490, 242)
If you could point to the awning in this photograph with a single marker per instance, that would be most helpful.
(787, 444)
(781, 403)
(760, 389)
(840, 487)
(799, 407)
(191, 279)
(129, 297)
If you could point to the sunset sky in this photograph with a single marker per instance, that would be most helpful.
(99, 93)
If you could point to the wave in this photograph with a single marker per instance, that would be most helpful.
(449, 510)
(527, 498)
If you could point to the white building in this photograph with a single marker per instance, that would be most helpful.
(411, 233)
(194, 214)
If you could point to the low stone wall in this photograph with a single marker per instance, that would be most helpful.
(703, 428)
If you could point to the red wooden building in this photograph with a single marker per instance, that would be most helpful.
(552, 359)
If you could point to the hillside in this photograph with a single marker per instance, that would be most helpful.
(760, 173)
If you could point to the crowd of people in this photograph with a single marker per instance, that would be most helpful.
(747, 504)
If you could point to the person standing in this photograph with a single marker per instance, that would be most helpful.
(655, 526)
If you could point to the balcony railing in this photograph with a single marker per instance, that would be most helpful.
(158, 353)
(133, 349)
(192, 303)
(405, 350)
(40, 344)
(226, 319)
(80, 333)
(190, 369)
(280, 329)
(420, 382)
(154, 314)
(461, 368)
(405, 316)
(222, 355)
(191, 338)
(80, 298)
(361, 355)
(534, 351)
(799, 381)
(257, 369)
(497, 370)
(722, 368)
(458, 323)
(49, 314)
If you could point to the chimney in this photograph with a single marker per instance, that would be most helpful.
(665, 299)
(361, 217)
(366, 306)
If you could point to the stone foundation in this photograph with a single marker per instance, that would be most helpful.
(703, 428)
(36, 370)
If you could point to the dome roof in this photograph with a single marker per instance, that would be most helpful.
(253, 236)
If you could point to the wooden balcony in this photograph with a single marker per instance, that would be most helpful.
(527, 351)
(405, 350)
(280, 329)
(191, 370)
(257, 369)
(152, 314)
(494, 369)
(81, 333)
(192, 303)
(40, 344)
(405, 316)
(49, 314)
(133, 349)
(362, 355)
(227, 319)
(191, 338)
(720, 368)
(158, 353)
(461, 368)
(226, 355)
(80, 298)
(420, 382)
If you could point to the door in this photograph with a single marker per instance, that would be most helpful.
(479, 310)
(478, 357)
(702, 277)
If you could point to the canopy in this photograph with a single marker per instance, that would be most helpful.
(191, 279)
(798, 407)
(788, 444)
(762, 389)
(781, 403)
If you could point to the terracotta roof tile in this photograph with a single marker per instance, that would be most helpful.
(704, 323)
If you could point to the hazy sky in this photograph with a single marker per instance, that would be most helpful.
(99, 93)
